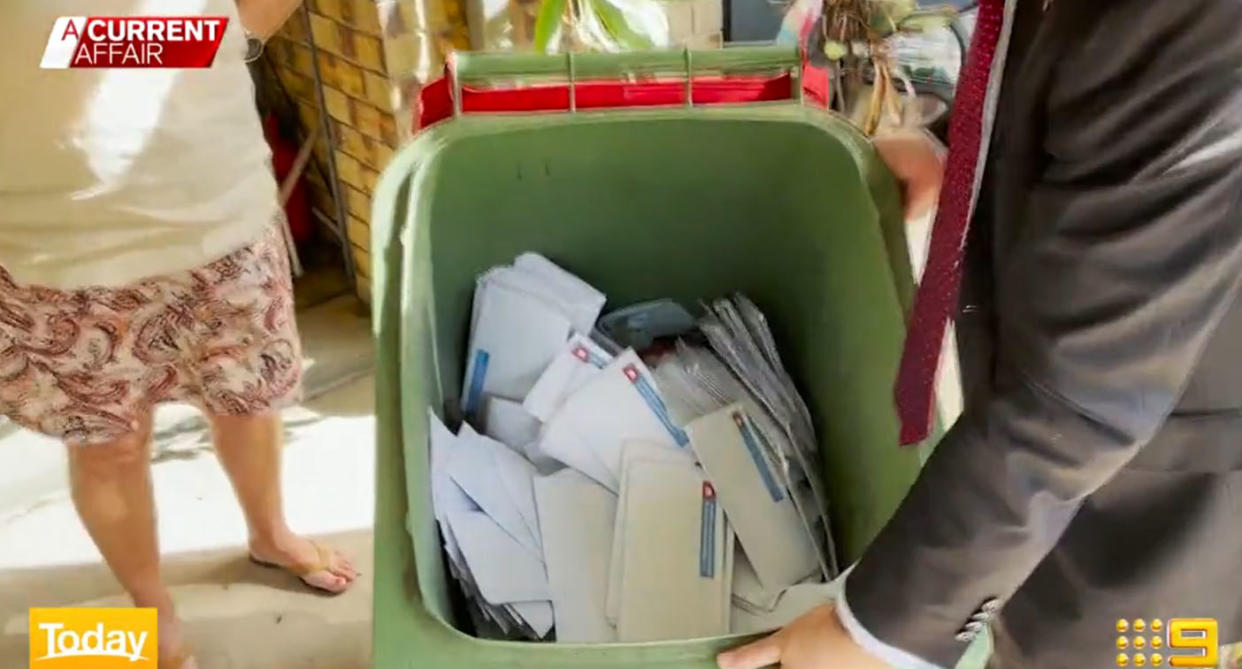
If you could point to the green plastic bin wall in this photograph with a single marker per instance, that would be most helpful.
(784, 203)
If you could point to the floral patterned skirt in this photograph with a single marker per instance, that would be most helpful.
(88, 366)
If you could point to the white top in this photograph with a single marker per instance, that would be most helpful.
(110, 176)
(891, 655)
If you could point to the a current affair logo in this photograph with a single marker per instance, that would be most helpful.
(133, 41)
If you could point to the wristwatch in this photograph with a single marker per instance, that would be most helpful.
(254, 47)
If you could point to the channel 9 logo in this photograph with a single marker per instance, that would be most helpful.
(1183, 642)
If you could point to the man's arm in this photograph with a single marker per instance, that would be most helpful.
(1131, 254)
(262, 18)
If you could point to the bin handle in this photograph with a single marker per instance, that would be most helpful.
(496, 66)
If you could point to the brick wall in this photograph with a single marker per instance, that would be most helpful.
(418, 34)
(373, 57)
(698, 24)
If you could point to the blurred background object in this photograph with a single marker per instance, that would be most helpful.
(895, 62)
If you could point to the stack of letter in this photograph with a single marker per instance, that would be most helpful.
(593, 495)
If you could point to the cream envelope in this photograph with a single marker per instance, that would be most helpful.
(576, 515)
(756, 501)
(678, 558)
(632, 451)
(748, 592)
(793, 602)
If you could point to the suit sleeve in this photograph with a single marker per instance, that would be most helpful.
(1130, 255)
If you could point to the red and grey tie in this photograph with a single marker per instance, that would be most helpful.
(937, 293)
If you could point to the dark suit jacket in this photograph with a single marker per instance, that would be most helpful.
(1096, 472)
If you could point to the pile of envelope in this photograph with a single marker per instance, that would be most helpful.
(594, 496)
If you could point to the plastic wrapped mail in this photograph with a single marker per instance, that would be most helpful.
(746, 345)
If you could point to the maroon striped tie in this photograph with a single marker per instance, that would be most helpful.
(938, 289)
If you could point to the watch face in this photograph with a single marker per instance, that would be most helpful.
(254, 48)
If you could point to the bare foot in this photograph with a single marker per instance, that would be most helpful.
(172, 648)
(319, 567)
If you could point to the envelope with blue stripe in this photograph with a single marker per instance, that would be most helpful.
(621, 403)
(759, 506)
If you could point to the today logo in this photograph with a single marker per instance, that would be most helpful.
(93, 638)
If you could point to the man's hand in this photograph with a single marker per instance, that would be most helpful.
(815, 641)
(918, 163)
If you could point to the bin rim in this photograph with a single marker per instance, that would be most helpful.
(598, 81)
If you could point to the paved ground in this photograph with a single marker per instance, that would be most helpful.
(239, 616)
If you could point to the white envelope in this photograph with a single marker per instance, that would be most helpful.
(619, 404)
(446, 495)
(576, 515)
(561, 442)
(502, 568)
(632, 451)
(500, 482)
(515, 337)
(538, 277)
(457, 561)
(758, 504)
(582, 300)
(676, 581)
(538, 615)
(507, 422)
(578, 362)
(544, 464)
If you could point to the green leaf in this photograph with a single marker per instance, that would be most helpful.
(928, 20)
(618, 26)
(835, 50)
(899, 9)
(547, 23)
(888, 14)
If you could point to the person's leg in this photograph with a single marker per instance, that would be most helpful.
(111, 485)
(250, 448)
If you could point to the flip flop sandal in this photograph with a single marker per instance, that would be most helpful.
(323, 563)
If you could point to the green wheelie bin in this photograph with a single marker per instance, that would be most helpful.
(784, 202)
